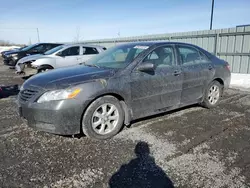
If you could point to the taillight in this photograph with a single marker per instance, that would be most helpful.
(228, 66)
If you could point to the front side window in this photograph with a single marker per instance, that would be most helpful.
(118, 57)
(48, 47)
(189, 55)
(89, 51)
(71, 51)
(53, 50)
(161, 57)
(38, 48)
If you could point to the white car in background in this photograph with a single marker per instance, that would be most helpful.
(60, 56)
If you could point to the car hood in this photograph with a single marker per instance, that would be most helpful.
(10, 52)
(30, 58)
(65, 77)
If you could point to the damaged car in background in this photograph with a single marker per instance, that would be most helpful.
(6, 52)
(61, 56)
(122, 84)
(12, 58)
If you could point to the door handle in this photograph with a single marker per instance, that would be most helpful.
(177, 73)
(210, 68)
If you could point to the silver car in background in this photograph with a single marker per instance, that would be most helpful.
(61, 56)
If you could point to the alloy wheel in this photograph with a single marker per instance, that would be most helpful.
(213, 94)
(105, 119)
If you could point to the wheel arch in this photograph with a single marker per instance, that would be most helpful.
(219, 80)
(127, 111)
(45, 66)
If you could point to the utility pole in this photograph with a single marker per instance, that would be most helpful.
(212, 15)
(38, 37)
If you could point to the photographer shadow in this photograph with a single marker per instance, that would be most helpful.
(141, 172)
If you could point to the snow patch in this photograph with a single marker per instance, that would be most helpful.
(5, 48)
(240, 81)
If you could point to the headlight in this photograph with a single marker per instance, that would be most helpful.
(21, 88)
(14, 56)
(59, 95)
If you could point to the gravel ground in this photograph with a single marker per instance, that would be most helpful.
(190, 147)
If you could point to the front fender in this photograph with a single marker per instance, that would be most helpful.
(99, 88)
(45, 61)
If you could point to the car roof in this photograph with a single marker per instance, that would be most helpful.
(151, 43)
(83, 44)
(47, 43)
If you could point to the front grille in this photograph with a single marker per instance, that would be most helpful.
(27, 94)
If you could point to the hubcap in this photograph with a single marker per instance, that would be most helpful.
(105, 119)
(44, 70)
(214, 94)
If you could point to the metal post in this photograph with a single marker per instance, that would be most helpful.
(38, 38)
(216, 43)
(212, 15)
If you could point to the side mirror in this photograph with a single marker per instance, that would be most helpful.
(146, 67)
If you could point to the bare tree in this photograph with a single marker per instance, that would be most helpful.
(77, 36)
(4, 43)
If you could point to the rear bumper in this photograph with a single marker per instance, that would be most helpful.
(58, 117)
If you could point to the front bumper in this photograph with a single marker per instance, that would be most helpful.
(58, 117)
(6, 60)
(10, 61)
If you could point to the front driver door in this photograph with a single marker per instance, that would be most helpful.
(157, 91)
(68, 57)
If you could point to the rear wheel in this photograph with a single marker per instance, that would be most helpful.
(212, 95)
(103, 119)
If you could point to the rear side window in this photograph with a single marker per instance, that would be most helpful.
(189, 55)
(71, 51)
(89, 51)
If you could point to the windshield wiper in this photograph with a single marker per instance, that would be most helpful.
(89, 65)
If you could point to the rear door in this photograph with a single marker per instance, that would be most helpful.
(197, 69)
(68, 57)
(154, 92)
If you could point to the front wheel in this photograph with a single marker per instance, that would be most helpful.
(103, 119)
(43, 69)
(212, 95)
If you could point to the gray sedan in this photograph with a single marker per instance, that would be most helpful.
(122, 84)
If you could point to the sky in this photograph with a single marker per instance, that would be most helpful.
(71, 20)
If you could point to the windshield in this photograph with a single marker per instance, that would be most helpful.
(29, 47)
(117, 57)
(53, 50)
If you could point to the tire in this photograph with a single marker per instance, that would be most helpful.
(44, 69)
(95, 115)
(212, 101)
